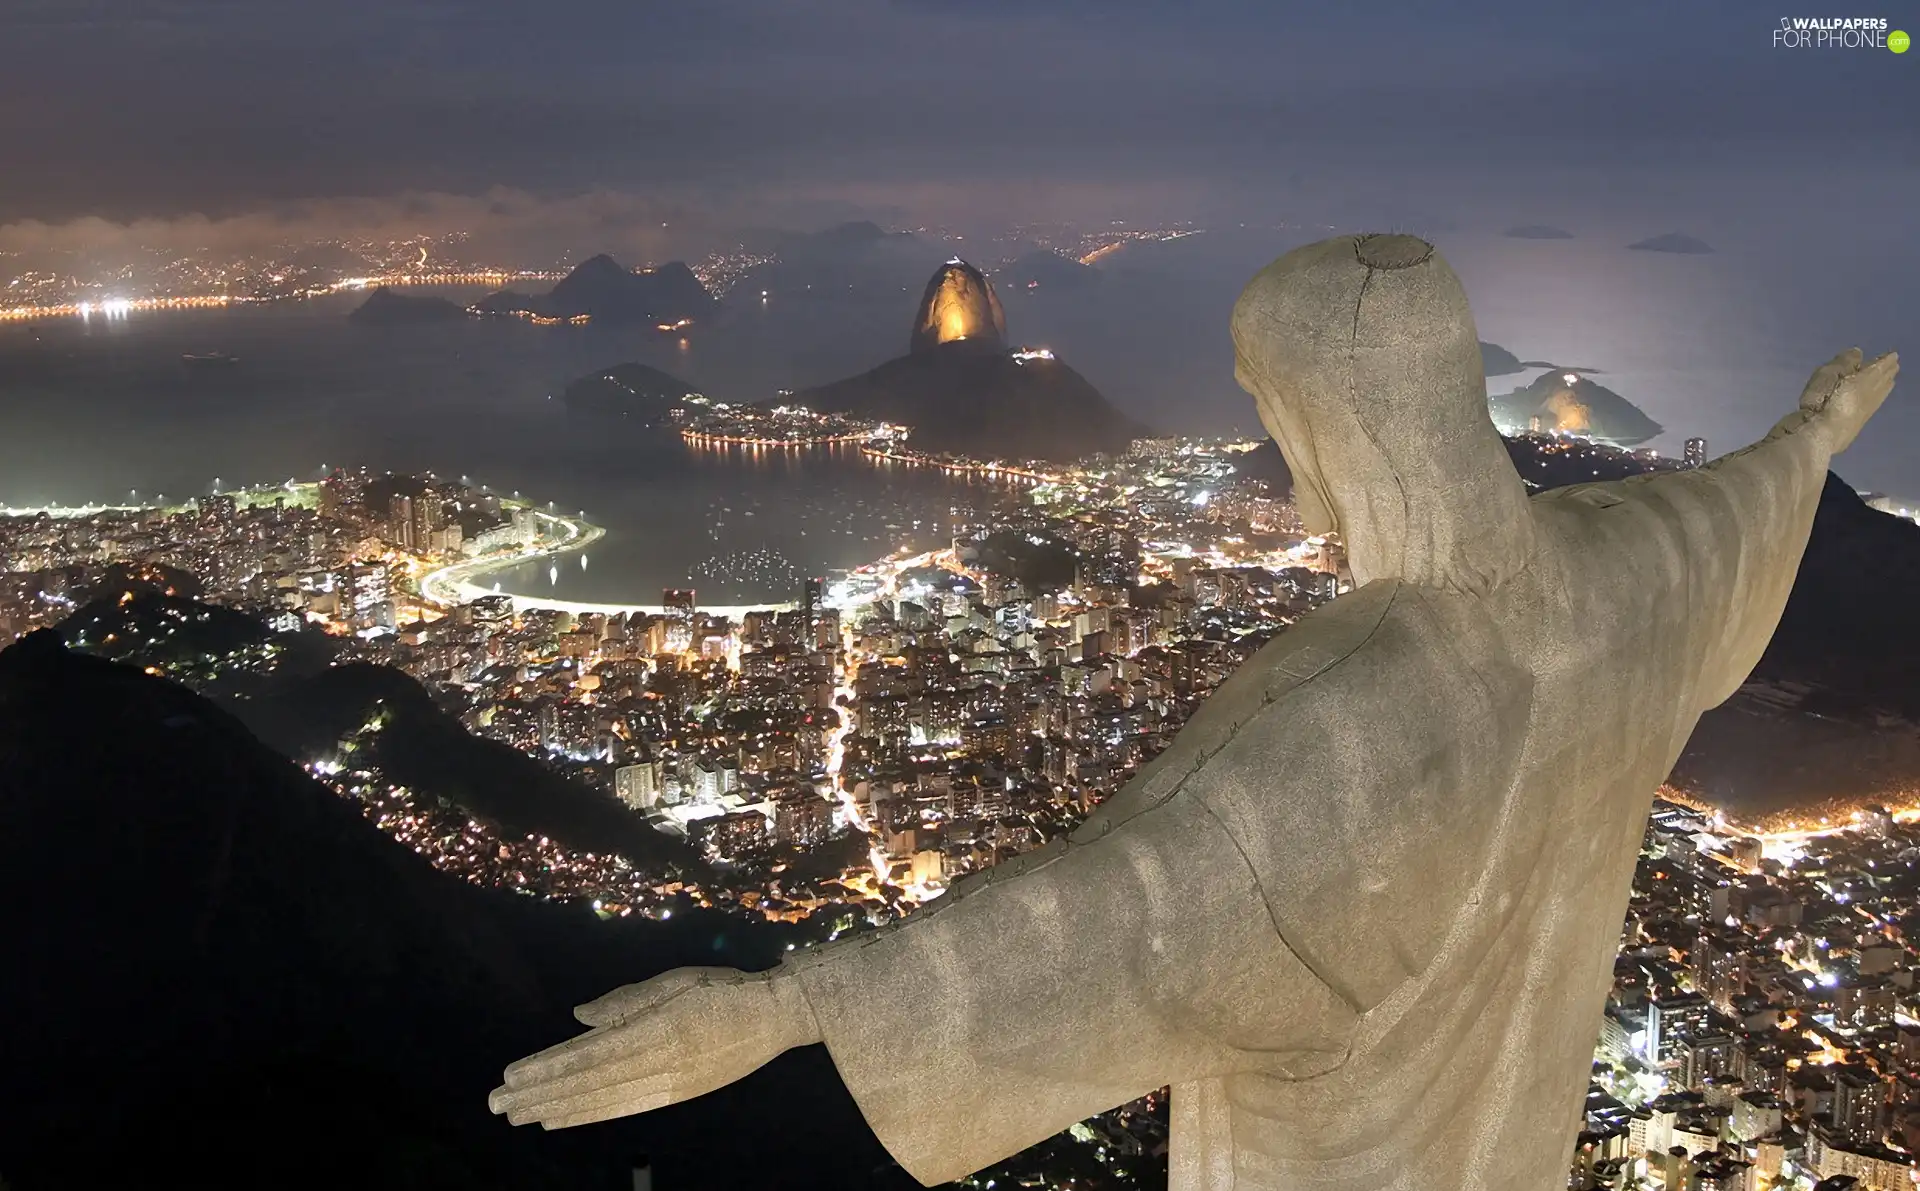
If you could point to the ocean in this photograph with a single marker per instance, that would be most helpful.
(103, 409)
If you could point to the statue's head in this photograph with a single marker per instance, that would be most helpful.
(1362, 356)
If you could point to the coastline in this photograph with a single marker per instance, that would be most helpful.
(457, 583)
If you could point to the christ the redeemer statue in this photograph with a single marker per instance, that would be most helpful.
(1362, 913)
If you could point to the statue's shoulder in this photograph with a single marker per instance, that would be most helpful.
(1361, 762)
(1305, 653)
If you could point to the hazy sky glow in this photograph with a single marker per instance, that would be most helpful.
(144, 107)
(588, 124)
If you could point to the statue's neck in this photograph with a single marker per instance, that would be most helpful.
(1457, 518)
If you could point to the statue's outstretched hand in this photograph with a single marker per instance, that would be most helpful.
(1844, 392)
(668, 1039)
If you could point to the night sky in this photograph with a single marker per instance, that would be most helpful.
(150, 107)
(202, 120)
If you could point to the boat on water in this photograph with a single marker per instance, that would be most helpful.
(206, 359)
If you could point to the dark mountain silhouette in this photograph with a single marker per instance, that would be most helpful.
(426, 749)
(608, 291)
(1498, 361)
(1849, 625)
(218, 974)
(975, 398)
(219, 651)
(286, 689)
(639, 393)
(509, 301)
(1672, 242)
(387, 307)
(1832, 713)
(1565, 400)
(1538, 231)
(1046, 269)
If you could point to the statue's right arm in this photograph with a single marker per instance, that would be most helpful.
(1746, 516)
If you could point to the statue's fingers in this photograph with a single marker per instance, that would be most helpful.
(597, 1048)
(626, 1068)
(594, 1116)
(559, 1059)
(639, 1050)
(621, 1099)
(634, 999)
(1875, 381)
(1827, 379)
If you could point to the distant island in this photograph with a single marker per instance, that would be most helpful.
(1564, 401)
(1673, 242)
(636, 393)
(387, 307)
(962, 390)
(602, 289)
(1538, 231)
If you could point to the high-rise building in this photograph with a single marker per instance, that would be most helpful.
(1859, 1104)
(1672, 1021)
(802, 821)
(429, 515)
(639, 786)
(679, 607)
(1696, 452)
(400, 522)
(366, 591)
(810, 593)
(494, 613)
(333, 496)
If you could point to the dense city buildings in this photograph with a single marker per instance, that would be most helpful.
(847, 752)
(1763, 1029)
(954, 706)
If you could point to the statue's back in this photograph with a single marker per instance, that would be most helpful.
(1481, 852)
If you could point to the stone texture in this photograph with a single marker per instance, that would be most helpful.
(959, 304)
(1362, 913)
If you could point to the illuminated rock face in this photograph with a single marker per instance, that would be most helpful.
(1569, 403)
(1570, 414)
(959, 304)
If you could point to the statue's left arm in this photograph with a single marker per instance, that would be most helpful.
(1047, 989)
(1746, 517)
